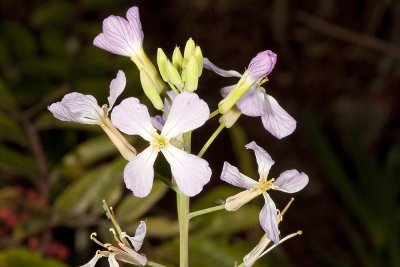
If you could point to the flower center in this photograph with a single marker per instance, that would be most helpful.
(265, 184)
(159, 142)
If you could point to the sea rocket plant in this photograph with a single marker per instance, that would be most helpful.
(183, 111)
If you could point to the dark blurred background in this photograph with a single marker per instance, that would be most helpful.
(337, 73)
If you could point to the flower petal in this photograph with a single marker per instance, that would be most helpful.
(269, 219)
(291, 181)
(253, 102)
(112, 261)
(133, 118)
(137, 240)
(191, 173)
(158, 121)
(135, 25)
(264, 160)
(117, 86)
(139, 172)
(93, 261)
(276, 120)
(261, 65)
(83, 108)
(224, 73)
(187, 112)
(61, 112)
(231, 175)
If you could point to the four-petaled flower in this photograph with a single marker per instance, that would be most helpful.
(289, 181)
(190, 172)
(255, 102)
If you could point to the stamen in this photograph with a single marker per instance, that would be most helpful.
(115, 235)
(92, 237)
(287, 206)
(280, 242)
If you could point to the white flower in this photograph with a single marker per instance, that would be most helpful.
(190, 172)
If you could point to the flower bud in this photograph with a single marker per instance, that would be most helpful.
(162, 62)
(189, 48)
(241, 87)
(177, 58)
(230, 117)
(173, 74)
(192, 75)
(150, 89)
(199, 57)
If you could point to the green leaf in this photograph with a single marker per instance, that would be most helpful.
(20, 257)
(132, 208)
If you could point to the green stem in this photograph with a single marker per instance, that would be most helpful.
(154, 264)
(212, 115)
(211, 139)
(205, 211)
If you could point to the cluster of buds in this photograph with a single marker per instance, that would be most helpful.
(184, 71)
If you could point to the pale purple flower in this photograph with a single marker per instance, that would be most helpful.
(255, 102)
(289, 181)
(122, 36)
(77, 107)
(190, 172)
(158, 121)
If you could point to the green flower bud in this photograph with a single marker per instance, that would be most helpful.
(199, 56)
(192, 75)
(150, 89)
(173, 74)
(162, 62)
(230, 117)
(241, 87)
(189, 48)
(177, 58)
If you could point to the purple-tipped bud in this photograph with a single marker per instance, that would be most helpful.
(261, 65)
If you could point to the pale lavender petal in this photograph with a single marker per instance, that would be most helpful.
(226, 90)
(276, 120)
(135, 25)
(253, 102)
(61, 112)
(291, 181)
(117, 86)
(93, 261)
(133, 118)
(158, 121)
(264, 160)
(191, 173)
(139, 172)
(187, 112)
(233, 176)
(136, 240)
(83, 108)
(261, 65)
(112, 45)
(269, 219)
(224, 73)
(112, 261)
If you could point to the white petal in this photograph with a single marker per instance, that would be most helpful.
(231, 175)
(139, 172)
(133, 118)
(137, 240)
(93, 261)
(83, 108)
(269, 219)
(224, 73)
(276, 120)
(117, 86)
(291, 181)
(187, 112)
(253, 102)
(255, 253)
(191, 173)
(264, 160)
(226, 90)
(112, 261)
(61, 112)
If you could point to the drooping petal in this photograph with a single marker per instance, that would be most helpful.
(226, 90)
(253, 102)
(291, 181)
(117, 86)
(133, 118)
(191, 173)
(224, 73)
(61, 112)
(139, 172)
(264, 160)
(269, 219)
(261, 65)
(233, 176)
(187, 112)
(276, 120)
(93, 261)
(137, 240)
(83, 108)
(112, 261)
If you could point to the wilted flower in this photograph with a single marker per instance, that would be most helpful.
(260, 66)
(77, 107)
(289, 181)
(190, 172)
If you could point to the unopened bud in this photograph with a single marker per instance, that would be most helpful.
(189, 48)
(199, 57)
(162, 62)
(230, 117)
(173, 74)
(177, 58)
(192, 77)
(150, 90)
(241, 87)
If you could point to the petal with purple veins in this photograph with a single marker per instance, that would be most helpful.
(291, 181)
(233, 176)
